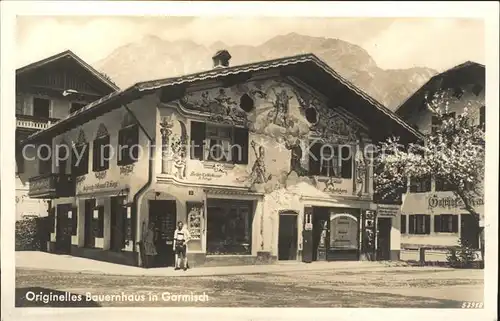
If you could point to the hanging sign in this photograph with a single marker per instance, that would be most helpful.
(386, 210)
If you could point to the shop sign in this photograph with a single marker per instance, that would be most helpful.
(99, 186)
(384, 210)
(451, 202)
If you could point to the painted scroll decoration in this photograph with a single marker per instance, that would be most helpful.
(81, 138)
(220, 107)
(361, 169)
(194, 219)
(179, 151)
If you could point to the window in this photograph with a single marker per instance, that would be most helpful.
(246, 103)
(219, 143)
(45, 160)
(446, 223)
(482, 117)
(128, 141)
(325, 160)
(80, 159)
(403, 224)
(419, 224)
(442, 185)
(436, 122)
(420, 185)
(229, 227)
(76, 106)
(100, 153)
(41, 107)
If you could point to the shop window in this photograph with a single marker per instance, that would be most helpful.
(446, 223)
(128, 145)
(80, 159)
(41, 107)
(101, 153)
(229, 226)
(420, 185)
(403, 224)
(330, 161)
(219, 143)
(419, 224)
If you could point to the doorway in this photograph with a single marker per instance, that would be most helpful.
(384, 226)
(163, 213)
(64, 229)
(288, 236)
(118, 224)
(89, 239)
(321, 230)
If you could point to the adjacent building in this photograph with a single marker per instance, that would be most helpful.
(432, 216)
(47, 91)
(247, 156)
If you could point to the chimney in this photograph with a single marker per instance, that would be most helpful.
(221, 59)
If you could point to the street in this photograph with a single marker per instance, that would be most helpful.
(397, 287)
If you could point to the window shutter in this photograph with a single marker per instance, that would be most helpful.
(437, 223)
(346, 163)
(240, 140)
(315, 164)
(198, 133)
(411, 227)
(134, 133)
(454, 224)
(427, 222)
(403, 224)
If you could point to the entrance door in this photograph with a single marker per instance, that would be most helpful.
(343, 238)
(89, 240)
(163, 214)
(384, 225)
(118, 224)
(287, 239)
(63, 230)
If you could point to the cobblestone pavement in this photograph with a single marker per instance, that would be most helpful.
(389, 286)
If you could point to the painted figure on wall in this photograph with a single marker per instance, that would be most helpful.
(259, 175)
(279, 115)
(295, 158)
(179, 146)
(166, 126)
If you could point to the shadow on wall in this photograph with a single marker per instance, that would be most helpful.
(45, 298)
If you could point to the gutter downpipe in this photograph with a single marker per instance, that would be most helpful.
(142, 190)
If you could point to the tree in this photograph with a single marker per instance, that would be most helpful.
(453, 152)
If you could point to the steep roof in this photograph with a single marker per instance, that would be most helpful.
(306, 66)
(458, 75)
(71, 55)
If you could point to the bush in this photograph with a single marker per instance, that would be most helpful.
(32, 234)
(462, 257)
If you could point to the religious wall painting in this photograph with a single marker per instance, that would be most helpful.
(259, 173)
(220, 106)
(166, 126)
(296, 157)
(361, 169)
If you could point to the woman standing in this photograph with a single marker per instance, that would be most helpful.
(149, 245)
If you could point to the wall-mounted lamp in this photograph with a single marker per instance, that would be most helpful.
(68, 92)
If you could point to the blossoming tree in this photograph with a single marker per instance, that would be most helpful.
(453, 153)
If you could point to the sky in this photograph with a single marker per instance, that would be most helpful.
(438, 43)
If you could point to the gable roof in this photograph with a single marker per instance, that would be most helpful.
(67, 54)
(317, 72)
(456, 75)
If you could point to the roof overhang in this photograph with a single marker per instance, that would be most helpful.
(308, 68)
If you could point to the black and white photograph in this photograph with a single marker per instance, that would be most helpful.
(214, 155)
